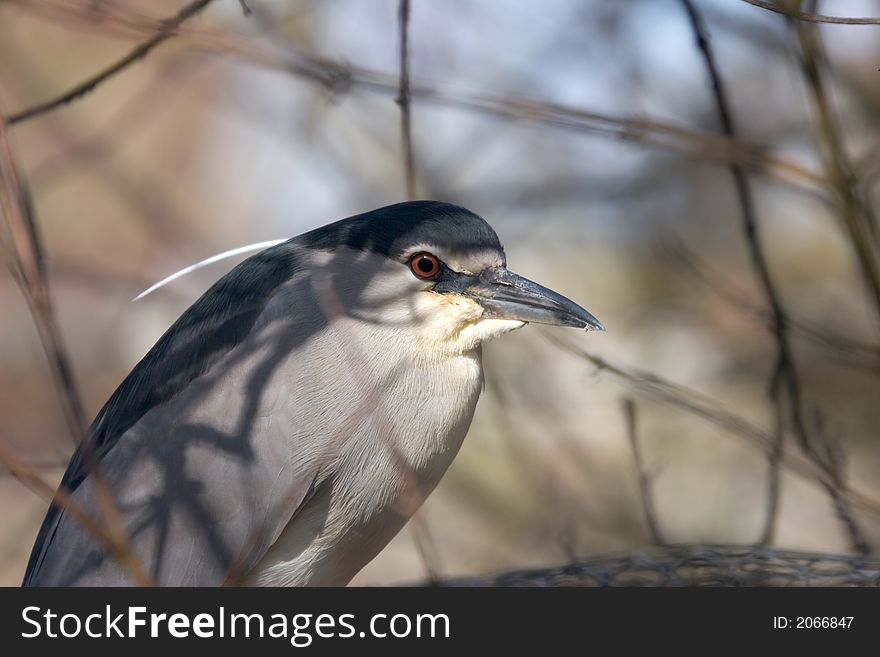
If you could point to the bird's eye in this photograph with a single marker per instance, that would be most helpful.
(425, 266)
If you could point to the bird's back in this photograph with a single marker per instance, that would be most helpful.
(157, 432)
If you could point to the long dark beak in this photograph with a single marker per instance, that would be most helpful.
(505, 295)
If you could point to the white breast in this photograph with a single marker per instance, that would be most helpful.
(398, 443)
(389, 391)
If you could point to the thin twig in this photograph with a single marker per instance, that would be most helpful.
(403, 99)
(338, 77)
(42, 464)
(831, 458)
(812, 18)
(106, 19)
(652, 386)
(864, 355)
(165, 29)
(116, 544)
(28, 261)
(785, 375)
(645, 482)
(774, 458)
(859, 220)
(425, 547)
(855, 207)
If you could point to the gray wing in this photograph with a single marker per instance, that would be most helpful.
(204, 475)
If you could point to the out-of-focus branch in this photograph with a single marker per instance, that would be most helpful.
(774, 458)
(862, 355)
(164, 30)
(792, 12)
(425, 547)
(35, 466)
(27, 259)
(785, 389)
(697, 565)
(651, 386)
(340, 77)
(785, 371)
(110, 20)
(646, 488)
(78, 147)
(403, 99)
(854, 204)
(28, 263)
(116, 543)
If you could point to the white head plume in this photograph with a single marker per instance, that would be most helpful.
(207, 261)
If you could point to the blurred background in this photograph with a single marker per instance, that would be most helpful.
(587, 133)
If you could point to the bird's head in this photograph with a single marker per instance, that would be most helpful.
(439, 267)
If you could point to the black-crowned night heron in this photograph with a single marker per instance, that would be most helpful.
(290, 422)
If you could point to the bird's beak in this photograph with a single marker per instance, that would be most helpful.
(505, 295)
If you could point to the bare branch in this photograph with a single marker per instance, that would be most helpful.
(785, 371)
(164, 30)
(785, 377)
(654, 387)
(812, 18)
(425, 547)
(774, 458)
(645, 482)
(339, 77)
(829, 456)
(862, 355)
(854, 205)
(116, 544)
(403, 99)
(28, 260)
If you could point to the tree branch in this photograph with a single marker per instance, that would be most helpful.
(403, 99)
(812, 18)
(785, 377)
(645, 482)
(339, 77)
(855, 208)
(115, 542)
(654, 387)
(28, 262)
(165, 29)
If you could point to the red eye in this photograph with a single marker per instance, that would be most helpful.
(424, 265)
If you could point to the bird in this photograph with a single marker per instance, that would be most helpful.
(289, 423)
